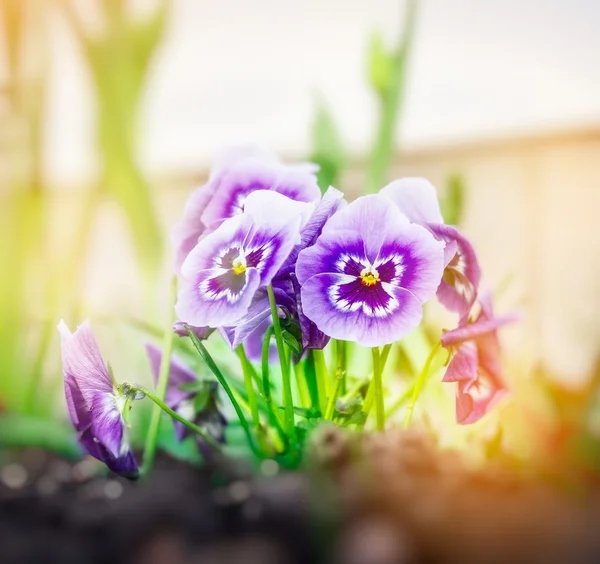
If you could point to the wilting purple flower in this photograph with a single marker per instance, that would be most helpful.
(227, 267)
(417, 199)
(237, 173)
(95, 405)
(475, 365)
(183, 401)
(369, 273)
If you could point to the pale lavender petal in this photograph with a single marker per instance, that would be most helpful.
(416, 198)
(372, 216)
(179, 374)
(253, 344)
(248, 175)
(333, 201)
(187, 232)
(345, 309)
(107, 423)
(82, 362)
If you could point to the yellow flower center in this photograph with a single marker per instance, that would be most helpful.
(239, 265)
(369, 277)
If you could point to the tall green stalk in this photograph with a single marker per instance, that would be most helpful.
(420, 383)
(288, 401)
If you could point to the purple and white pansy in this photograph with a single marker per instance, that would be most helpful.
(225, 269)
(369, 273)
(237, 173)
(94, 402)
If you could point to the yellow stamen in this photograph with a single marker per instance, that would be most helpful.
(239, 266)
(369, 278)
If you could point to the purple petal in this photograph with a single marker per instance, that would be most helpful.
(107, 423)
(464, 365)
(372, 216)
(458, 289)
(253, 344)
(312, 336)
(333, 201)
(258, 172)
(474, 400)
(478, 328)
(416, 198)
(179, 374)
(83, 366)
(201, 332)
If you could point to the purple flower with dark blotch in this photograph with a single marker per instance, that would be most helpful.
(94, 403)
(183, 402)
(369, 273)
(238, 172)
(227, 267)
(417, 199)
(475, 363)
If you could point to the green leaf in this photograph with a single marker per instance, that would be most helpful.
(192, 387)
(308, 413)
(202, 398)
(292, 342)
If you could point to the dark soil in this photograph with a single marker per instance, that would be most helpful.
(388, 499)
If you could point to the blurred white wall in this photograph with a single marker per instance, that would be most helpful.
(249, 69)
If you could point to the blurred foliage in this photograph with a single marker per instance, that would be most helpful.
(118, 60)
(328, 151)
(452, 204)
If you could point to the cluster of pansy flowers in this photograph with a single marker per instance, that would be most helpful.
(277, 269)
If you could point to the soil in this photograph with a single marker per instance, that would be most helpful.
(392, 498)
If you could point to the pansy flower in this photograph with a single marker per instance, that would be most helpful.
(369, 273)
(94, 402)
(184, 402)
(237, 173)
(225, 269)
(475, 364)
(417, 199)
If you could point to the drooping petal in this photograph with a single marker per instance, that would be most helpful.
(416, 198)
(478, 328)
(179, 374)
(458, 289)
(82, 362)
(475, 400)
(201, 332)
(312, 336)
(107, 423)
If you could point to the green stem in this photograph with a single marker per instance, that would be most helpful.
(160, 404)
(378, 389)
(288, 401)
(247, 371)
(322, 379)
(420, 382)
(161, 388)
(302, 385)
(340, 372)
(221, 379)
(266, 383)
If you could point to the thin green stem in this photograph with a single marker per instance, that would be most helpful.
(340, 372)
(322, 378)
(302, 385)
(378, 388)
(420, 382)
(288, 401)
(266, 383)
(247, 371)
(161, 388)
(160, 404)
(221, 379)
